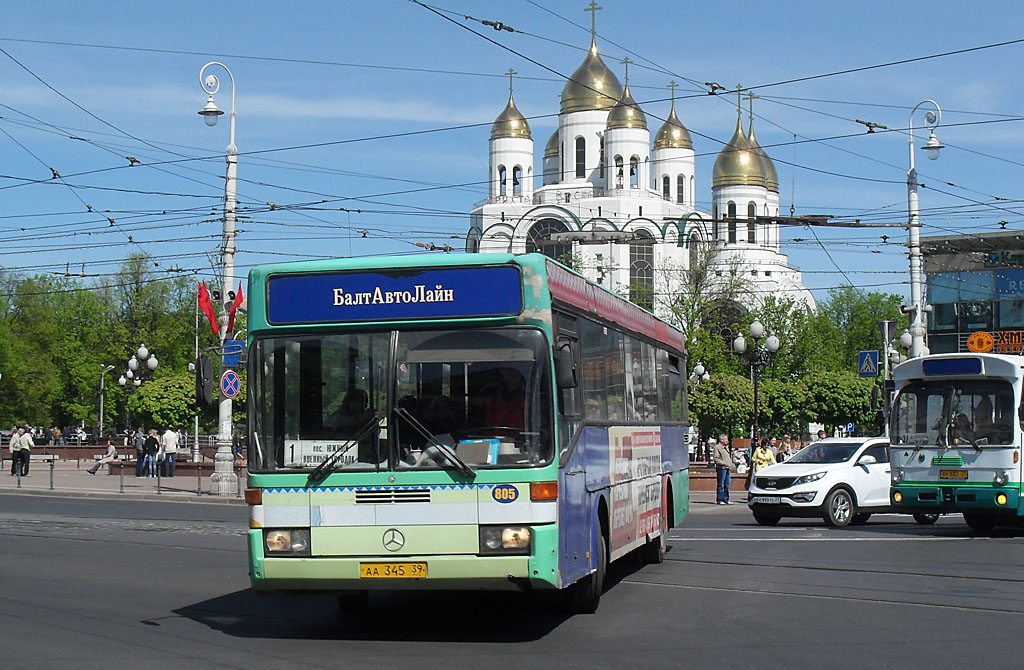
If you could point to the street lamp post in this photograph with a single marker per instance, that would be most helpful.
(931, 148)
(700, 375)
(104, 369)
(757, 357)
(133, 376)
(224, 481)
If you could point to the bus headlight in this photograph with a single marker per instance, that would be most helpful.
(1001, 478)
(287, 542)
(504, 540)
(898, 475)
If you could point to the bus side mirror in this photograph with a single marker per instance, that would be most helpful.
(565, 366)
(204, 379)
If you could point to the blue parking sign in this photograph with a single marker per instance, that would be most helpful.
(867, 363)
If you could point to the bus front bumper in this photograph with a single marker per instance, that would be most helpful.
(943, 499)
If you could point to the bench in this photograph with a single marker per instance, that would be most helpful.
(44, 458)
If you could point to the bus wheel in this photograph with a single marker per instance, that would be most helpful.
(981, 523)
(584, 596)
(654, 550)
(353, 602)
(926, 519)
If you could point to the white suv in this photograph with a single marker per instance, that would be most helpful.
(841, 480)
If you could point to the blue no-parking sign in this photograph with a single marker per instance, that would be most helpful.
(230, 384)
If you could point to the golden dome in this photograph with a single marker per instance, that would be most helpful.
(737, 164)
(551, 148)
(510, 123)
(770, 173)
(591, 86)
(673, 133)
(626, 113)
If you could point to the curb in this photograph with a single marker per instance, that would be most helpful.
(156, 497)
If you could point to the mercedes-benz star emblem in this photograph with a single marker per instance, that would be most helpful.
(393, 539)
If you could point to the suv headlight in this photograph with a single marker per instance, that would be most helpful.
(807, 479)
(897, 475)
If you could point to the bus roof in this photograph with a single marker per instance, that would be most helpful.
(959, 366)
(564, 285)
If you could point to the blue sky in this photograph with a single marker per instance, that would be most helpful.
(343, 75)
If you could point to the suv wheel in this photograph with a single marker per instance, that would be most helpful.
(839, 509)
(766, 518)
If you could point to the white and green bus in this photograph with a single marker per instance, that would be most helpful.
(457, 422)
(956, 435)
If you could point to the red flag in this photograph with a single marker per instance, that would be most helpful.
(234, 306)
(207, 307)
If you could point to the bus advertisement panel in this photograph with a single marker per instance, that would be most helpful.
(457, 423)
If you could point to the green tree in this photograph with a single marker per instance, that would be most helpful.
(836, 398)
(723, 404)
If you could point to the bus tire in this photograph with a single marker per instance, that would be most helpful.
(926, 519)
(980, 522)
(584, 596)
(654, 550)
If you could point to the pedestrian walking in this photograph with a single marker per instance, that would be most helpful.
(107, 458)
(139, 442)
(24, 444)
(13, 446)
(762, 458)
(150, 448)
(169, 452)
(723, 468)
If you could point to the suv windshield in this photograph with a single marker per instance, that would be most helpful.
(945, 414)
(397, 400)
(826, 452)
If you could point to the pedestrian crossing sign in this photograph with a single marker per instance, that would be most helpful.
(867, 363)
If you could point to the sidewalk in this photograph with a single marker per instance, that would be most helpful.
(71, 478)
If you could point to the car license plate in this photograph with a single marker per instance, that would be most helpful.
(952, 474)
(766, 500)
(392, 570)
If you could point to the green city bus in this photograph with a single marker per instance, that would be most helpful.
(482, 421)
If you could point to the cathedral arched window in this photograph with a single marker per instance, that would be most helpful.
(693, 193)
(751, 215)
(694, 244)
(665, 183)
(641, 269)
(731, 216)
(681, 189)
(600, 160)
(581, 157)
(714, 219)
(538, 239)
(517, 180)
(501, 180)
(618, 172)
(634, 172)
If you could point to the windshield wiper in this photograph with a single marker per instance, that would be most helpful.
(444, 450)
(321, 471)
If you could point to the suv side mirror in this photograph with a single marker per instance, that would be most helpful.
(565, 366)
(867, 459)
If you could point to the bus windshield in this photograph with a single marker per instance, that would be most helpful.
(402, 400)
(954, 413)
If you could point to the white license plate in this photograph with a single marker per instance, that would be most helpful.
(766, 500)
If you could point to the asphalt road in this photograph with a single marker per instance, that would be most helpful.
(136, 584)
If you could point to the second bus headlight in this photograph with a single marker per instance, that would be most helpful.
(504, 540)
(286, 542)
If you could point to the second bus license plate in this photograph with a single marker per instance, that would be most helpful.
(952, 474)
(392, 570)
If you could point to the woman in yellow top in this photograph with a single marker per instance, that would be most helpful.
(763, 456)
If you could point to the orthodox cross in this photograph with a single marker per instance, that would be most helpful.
(625, 61)
(672, 87)
(510, 74)
(593, 9)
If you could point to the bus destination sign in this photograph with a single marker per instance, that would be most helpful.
(394, 294)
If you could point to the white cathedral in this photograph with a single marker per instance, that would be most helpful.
(627, 214)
